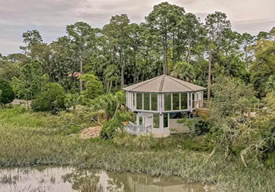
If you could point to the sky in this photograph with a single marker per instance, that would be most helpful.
(50, 17)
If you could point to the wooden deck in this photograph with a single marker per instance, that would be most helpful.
(203, 110)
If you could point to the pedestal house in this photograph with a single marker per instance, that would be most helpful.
(160, 102)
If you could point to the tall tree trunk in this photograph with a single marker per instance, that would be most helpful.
(81, 71)
(189, 53)
(165, 53)
(110, 88)
(122, 77)
(246, 60)
(122, 63)
(209, 74)
(174, 50)
(135, 71)
(178, 46)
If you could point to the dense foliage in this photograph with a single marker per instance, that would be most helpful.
(41, 139)
(89, 66)
(169, 40)
(6, 92)
(50, 99)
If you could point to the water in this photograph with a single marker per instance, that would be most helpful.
(74, 180)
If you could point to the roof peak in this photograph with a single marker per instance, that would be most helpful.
(164, 84)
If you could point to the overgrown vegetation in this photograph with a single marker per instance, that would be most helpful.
(6, 92)
(50, 99)
(79, 78)
(28, 139)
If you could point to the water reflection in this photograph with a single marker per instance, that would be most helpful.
(73, 180)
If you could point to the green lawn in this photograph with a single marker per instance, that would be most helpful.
(29, 139)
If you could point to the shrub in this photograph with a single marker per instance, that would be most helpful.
(6, 92)
(201, 127)
(116, 123)
(51, 98)
(197, 125)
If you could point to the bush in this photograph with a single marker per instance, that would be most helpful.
(201, 127)
(110, 127)
(6, 92)
(52, 98)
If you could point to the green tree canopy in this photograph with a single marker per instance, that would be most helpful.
(6, 92)
(264, 66)
(52, 98)
(93, 87)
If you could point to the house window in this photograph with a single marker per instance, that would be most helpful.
(146, 101)
(176, 101)
(183, 100)
(134, 99)
(176, 115)
(156, 120)
(139, 101)
(193, 100)
(154, 102)
(165, 120)
(140, 121)
(167, 102)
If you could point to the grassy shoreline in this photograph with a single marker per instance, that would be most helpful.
(31, 139)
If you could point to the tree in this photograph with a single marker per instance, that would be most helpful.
(9, 70)
(183, 71)
(63, 63)
(93, 87)
(52, 98)
(111, 74)
(115, 113)
(247, 41)
(258, 137)
(215, 25)
(186, 38)
(231, 98)
(30, 81)
(118, 38)
(82, 37)
(109, 103)
(31, 39)
(135, 43)
(17, 58)
(163, 20)
(6, 92)
(264, 65)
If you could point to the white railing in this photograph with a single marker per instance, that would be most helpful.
(134, 129)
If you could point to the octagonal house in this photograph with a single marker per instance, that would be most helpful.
(159, 102)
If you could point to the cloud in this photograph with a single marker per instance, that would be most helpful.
(50, 17)
(253, 26)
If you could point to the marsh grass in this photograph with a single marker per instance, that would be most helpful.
(30, 139)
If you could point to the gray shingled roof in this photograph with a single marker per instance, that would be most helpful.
(164, 84)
